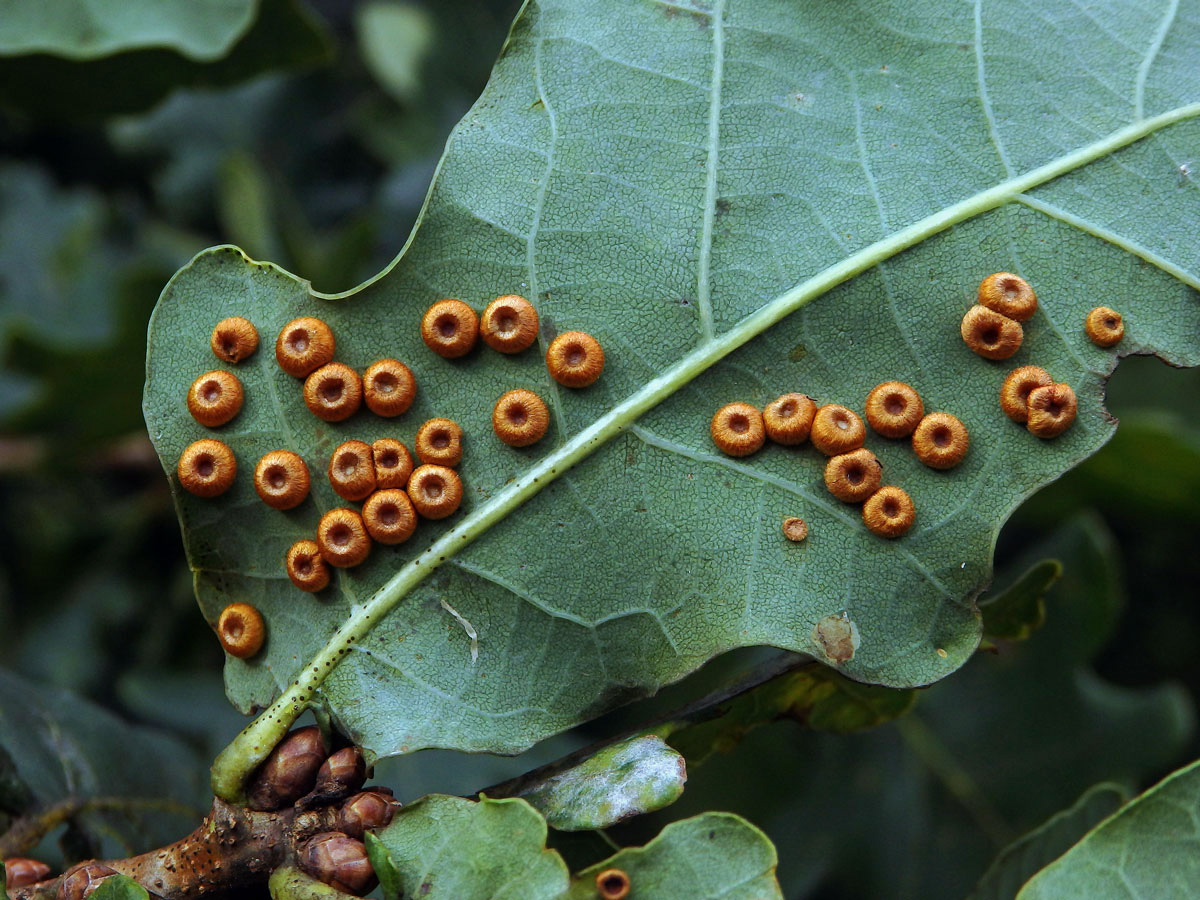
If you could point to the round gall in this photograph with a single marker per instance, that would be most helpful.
(303, 346)
(234, 339)
(509, 324)
(215, 398)
(737, 429)
(894, 408)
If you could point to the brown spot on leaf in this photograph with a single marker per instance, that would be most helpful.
(837, 637)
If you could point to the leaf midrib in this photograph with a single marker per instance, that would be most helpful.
(252, 745)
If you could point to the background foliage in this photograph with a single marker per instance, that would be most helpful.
(319, 162)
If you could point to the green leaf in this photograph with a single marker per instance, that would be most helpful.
(119, 887)
(395, 39)
(386, 871)
(126, 785)
(288, 883)
(813, 694)
(1018, 611)
(1150, 848)
(737, 201)
(1023, 858)
(715, 855)
(627, 779)
(75, 29)
(447, 847)
(85, 73)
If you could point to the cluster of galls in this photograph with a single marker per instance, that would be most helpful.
(299, 773)
(992, 329)
(381, 474)
(853, 474)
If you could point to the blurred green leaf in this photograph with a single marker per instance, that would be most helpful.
(56, 260)
(284, 35)
(390, 882)
(629, 778)
(245, 206)
(1021, 859)
(394, 39)
(1149, 848)
(128, 788)
(203, 30)
(714, 856)
(448, 848)
(813, 694)
(1019, 610)
(289, 883)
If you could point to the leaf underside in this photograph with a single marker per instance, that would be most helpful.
(657, 176)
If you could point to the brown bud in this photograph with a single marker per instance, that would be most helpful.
(289, 772)
(20, 871)
(344, 772)
(370, 809)
(80, 880)
(339, 861)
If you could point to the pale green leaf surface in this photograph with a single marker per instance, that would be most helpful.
(1021, 859)
(627, 779)
(448, 848)
(1149, 848)
(713, 856)
(89, 29)
(663, 178)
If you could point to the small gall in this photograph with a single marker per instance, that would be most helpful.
(853, 477)
(439, 442)
(520, 418)
(788, 419)
(389, 387)
(795, 528)
(889, 512)
(333, 392)
(941, 441)
(234, 339)
(241, 630)
(509, 324)
(990, 334)
(449, 328)
(303, 346)
(435, 491)
(893, 409)
(389, 516)
(207, 468)
(281, 479)
(215, 397)
(305, 567)
(613, 884)
(352, 470)
(342, 538)
(1014, 393)
(1051, 410)
(575, 359)
(1104, 326)
(1008, 294)
(837, 430)
(737, 429)
(393, 463)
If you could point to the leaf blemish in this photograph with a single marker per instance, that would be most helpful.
(837, 637)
